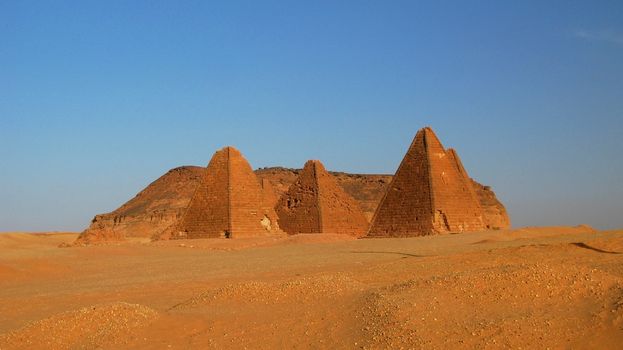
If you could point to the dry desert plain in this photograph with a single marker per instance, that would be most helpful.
(557, 287)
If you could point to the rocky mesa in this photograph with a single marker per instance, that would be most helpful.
(163, 201)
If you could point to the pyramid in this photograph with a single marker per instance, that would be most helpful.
(229, 202)
(315, 203)
(430, 193)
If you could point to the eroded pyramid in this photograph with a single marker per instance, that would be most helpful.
(431, 193)
(229, 202)
(315, 203)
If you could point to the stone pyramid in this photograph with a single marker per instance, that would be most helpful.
(315, 203)
(430, 193)
(229, 202)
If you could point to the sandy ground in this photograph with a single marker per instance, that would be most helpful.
(529, 288)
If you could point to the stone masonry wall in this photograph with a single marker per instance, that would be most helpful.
(246, 195)
(339, 212)
(298, 209)
(162, 204)
(456, 207)
(269, 200)
(430, 193)
(316, 204)
(229, 203)
(207, 215)
(406, 209)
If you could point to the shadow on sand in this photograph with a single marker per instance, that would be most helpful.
(405, 255)
(586, 246)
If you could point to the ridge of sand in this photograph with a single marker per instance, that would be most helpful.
(89, 327)
(557, 287)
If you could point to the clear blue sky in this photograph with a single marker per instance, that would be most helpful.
(99, 98)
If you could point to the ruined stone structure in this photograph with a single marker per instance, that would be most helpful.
(163, 202)
(229, 202)
(366, 189)
(431, 193)
(315, 203)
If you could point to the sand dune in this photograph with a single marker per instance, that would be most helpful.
(531, 288)
(89, 327)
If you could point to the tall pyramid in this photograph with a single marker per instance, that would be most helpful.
(315, 203)
(229, 202)
(431, 193)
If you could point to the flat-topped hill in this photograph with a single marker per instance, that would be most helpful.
(162, 202)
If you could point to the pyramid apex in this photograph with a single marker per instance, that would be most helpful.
(428, 138)
(430, 193)
(229, 201)
(315, 203)
(316, 164)
(228, 152)
(229, 149)
(427, 130)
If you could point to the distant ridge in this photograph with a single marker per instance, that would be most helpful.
(162, 202)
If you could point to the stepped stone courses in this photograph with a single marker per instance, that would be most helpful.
(430, 193)
(366, 190)
(315, 203)
(229, 202)
(155, 210)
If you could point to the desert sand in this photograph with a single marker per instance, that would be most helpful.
(556, 287)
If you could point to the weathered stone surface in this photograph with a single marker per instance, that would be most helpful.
(163, 202)
(152, 210)
(99, 231)
(495, 215)
(366, 189)
(430, 193)
(315, 203)
(229, 202)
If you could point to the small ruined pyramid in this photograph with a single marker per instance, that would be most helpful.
(315, 203)
(229, 202)
(430, 193)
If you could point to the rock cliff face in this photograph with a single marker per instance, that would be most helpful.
(163, 201)
(152, 210)
(495, 214)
